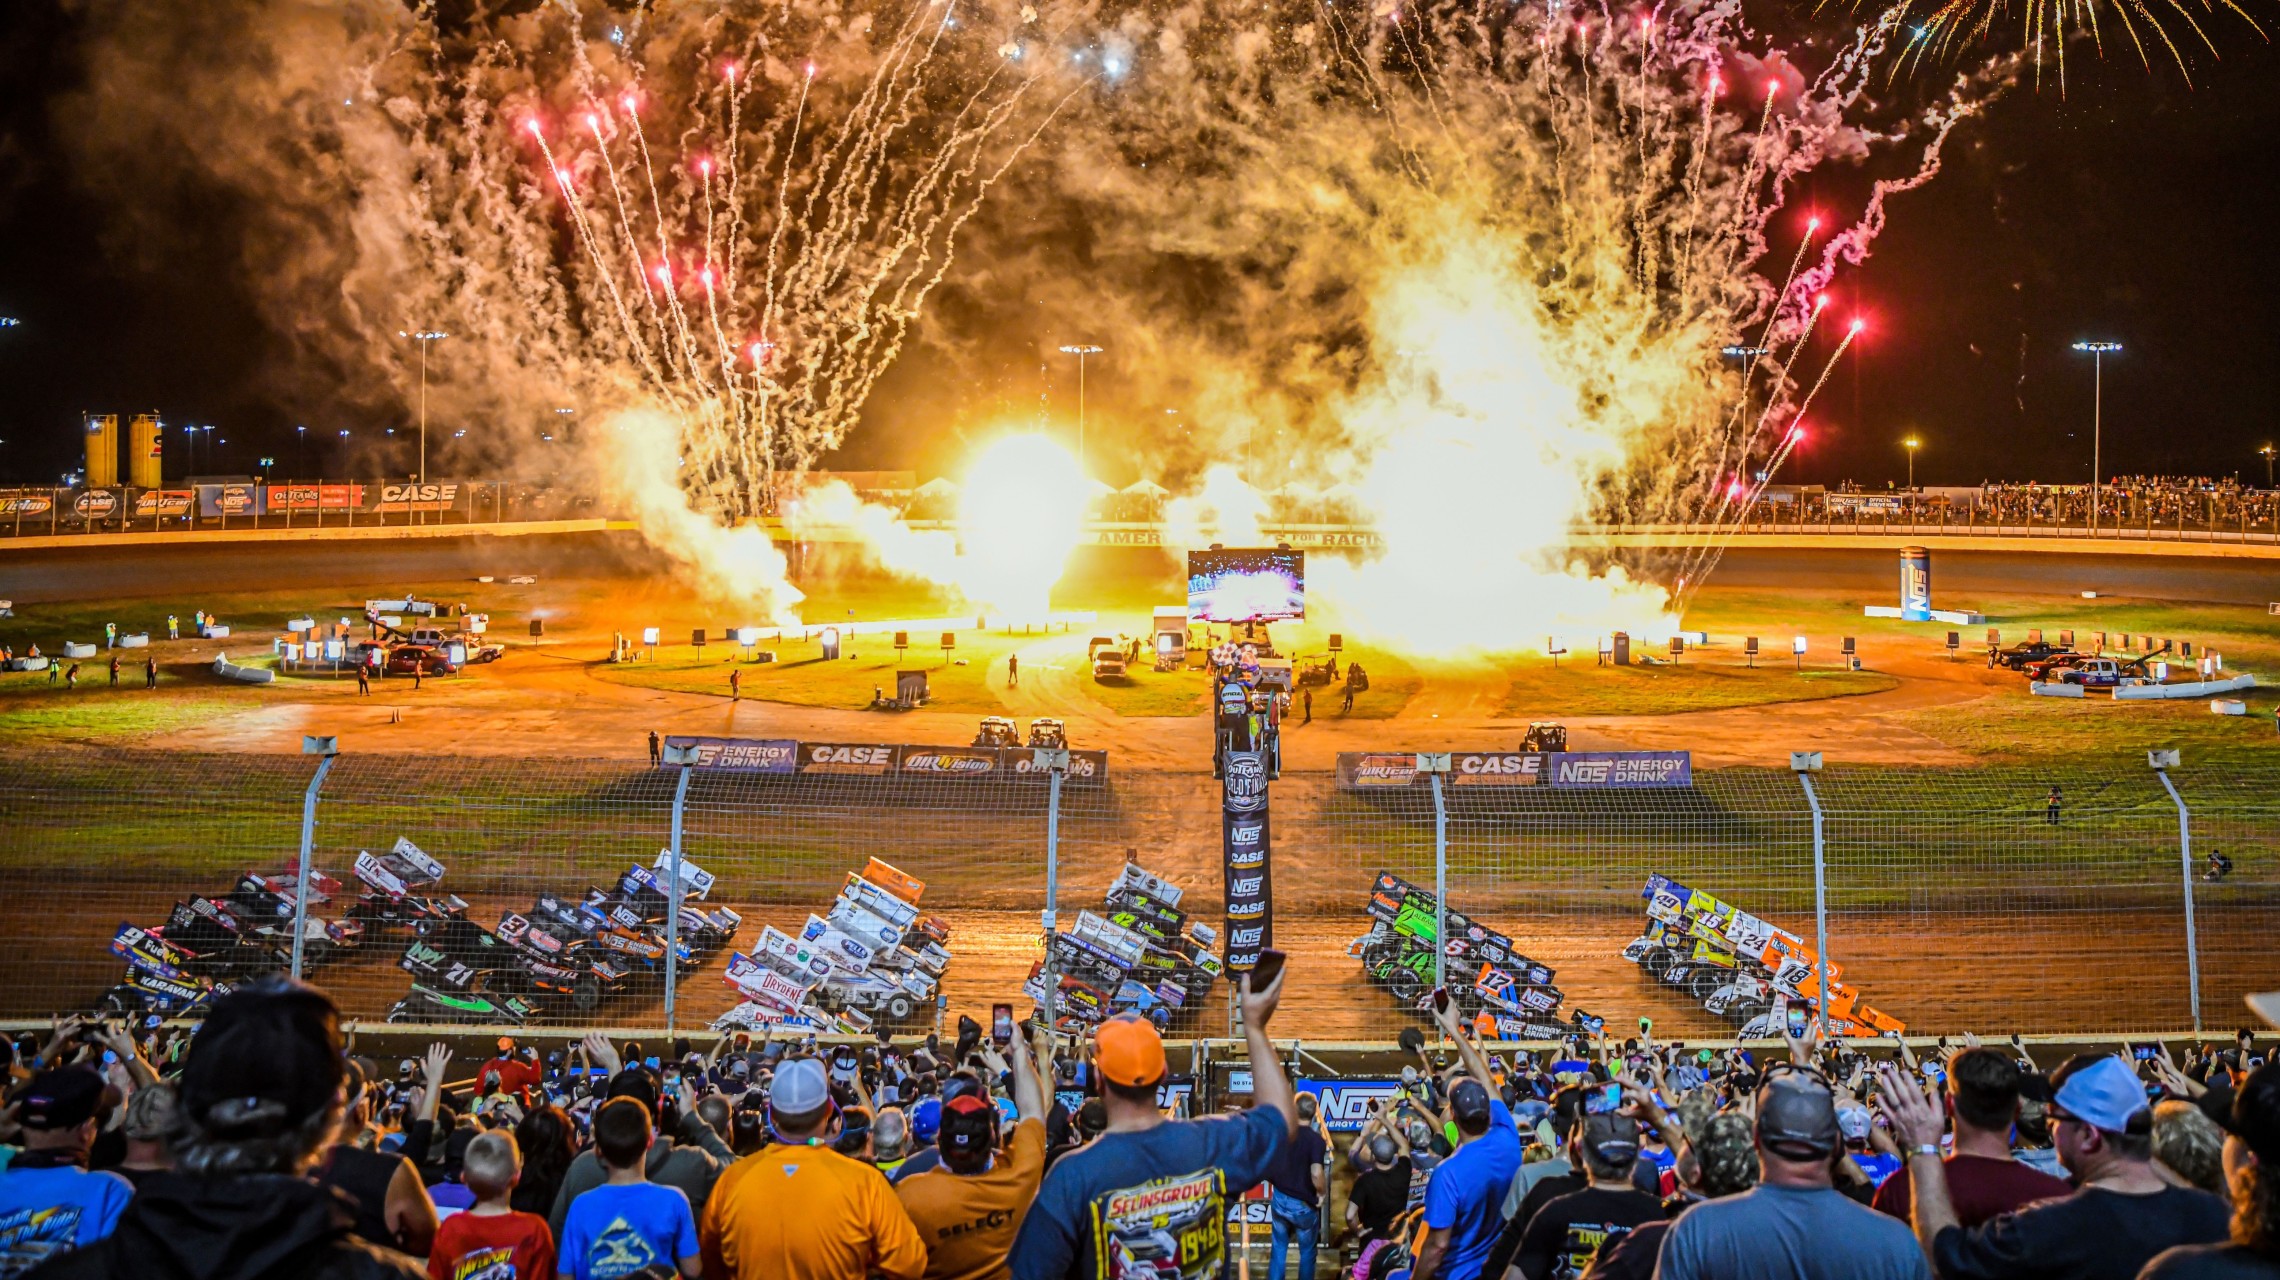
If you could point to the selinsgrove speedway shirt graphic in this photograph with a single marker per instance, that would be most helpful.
(1161, 1229)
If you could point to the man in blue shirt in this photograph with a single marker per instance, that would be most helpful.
(1464, 1200)
(49, 1203)
(1151, 1194)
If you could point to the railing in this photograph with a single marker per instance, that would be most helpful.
(190, 509)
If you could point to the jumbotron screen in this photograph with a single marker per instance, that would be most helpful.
(1246, 586)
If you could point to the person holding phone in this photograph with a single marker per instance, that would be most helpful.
(1464, 1199)
(969, 1207)
(1115, 1190)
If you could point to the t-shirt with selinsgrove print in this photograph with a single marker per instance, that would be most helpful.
(1151, 1203)
(614, 1231)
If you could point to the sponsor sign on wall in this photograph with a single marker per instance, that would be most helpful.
(314, 497)
(846, 757)
(1346, 1104)
(1589, 770)
(433, 495)
(1561, 770)
(742, 755)
(963, 762)
(163, 502)
(18, 503)
(229, 500)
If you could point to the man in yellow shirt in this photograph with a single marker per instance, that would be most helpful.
(969, 1208)
(796, 1209)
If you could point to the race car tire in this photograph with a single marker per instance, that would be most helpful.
(898, 1008)
(1744, 1012)
(1659, 960)
(1405, 986)
(1704, 983)
(586, 995)
(422, 927)
(398, 1014)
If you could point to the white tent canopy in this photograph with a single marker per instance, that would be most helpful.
(1145, 489)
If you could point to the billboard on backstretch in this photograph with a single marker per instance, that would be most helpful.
(879, 760)
(741, 755)
(1559, 770)
(1246, 586)
(1589, 770)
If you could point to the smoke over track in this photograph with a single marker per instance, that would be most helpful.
(1467, 267)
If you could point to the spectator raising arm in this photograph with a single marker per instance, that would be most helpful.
(1269, 1086)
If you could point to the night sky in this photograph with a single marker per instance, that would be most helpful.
(2133, 208)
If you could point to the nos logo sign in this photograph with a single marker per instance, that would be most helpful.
(1346, 1104)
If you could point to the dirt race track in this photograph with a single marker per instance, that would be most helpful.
(1986, 968)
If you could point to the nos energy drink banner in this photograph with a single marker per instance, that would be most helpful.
(1250, 881)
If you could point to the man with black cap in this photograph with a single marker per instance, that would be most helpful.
(49, 1202)
(799, 1210)
(1464, 1199)
(259, 1097)
(2121, 1214)
(1567, 1233)
(1795, 1225)
(2250, 1117)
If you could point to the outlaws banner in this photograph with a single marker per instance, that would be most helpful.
(1250, 886)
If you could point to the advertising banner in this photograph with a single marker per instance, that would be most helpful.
(1359, 769)
(434, 495)
(1244, 835)
(1086, 768)
(229, 500)
(163, 502)
(96, 504)
(314, 497)
(1601, 770)
(741, 755)
(1564, 770)
(15, 504)
(1346, 1104)
(847, 757)
(958, 762)
(1495, 769)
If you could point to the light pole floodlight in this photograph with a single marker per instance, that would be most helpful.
(1080, 351)
(2097, 350)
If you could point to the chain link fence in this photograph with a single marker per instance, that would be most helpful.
(1995, 899)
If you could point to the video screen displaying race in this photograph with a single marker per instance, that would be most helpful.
(1246, 586)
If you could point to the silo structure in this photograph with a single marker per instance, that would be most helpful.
(143, 456)
(102, 450)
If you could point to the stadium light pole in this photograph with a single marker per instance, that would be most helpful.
(424, 337)
(2268, 451)
(2098, 352)
(1080, 351)
(1912, 444)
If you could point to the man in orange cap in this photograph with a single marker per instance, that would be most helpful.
(1151, 1194)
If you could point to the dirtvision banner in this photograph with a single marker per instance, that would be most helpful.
(1250, 881)
(881, 760)
(1559, 770)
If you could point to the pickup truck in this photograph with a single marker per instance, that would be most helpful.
(2093, 673)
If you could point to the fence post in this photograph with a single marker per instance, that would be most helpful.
(2161, 762)
(326, 750)
(686, 757)
(1056, 766)
(1433, 765)
(1806, 764)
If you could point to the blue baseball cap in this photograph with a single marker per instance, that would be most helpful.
(926, 1119)
(2101, 1091)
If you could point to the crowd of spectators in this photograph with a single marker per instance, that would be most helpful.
(2161, 502)
(262, 1145)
